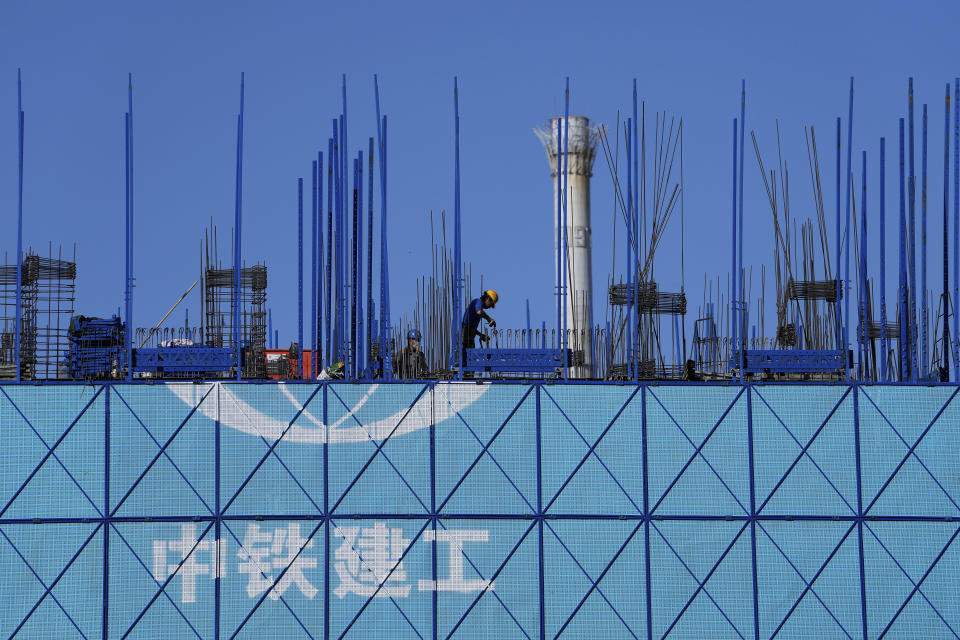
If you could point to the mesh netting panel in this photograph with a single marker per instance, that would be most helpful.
(466, 510)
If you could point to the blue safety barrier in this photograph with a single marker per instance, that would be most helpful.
(183, 359)
(465, 510)
(785, 361)
(515, 360)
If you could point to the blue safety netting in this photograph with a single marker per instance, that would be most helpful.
(467, 510)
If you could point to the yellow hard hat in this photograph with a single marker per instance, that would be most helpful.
(490, 293)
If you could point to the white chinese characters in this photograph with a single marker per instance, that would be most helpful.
(369, 561)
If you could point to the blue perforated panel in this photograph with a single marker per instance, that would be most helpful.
(464, 510)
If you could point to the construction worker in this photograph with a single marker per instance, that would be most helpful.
(411, 363)
(471, 319)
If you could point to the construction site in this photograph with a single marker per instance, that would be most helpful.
(757, 452)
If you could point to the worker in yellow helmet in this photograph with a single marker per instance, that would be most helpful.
(471, 319)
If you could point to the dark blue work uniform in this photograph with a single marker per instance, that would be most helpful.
(470, 322)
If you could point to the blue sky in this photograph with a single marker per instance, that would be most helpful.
(511, 60)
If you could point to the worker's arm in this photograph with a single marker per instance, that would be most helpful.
(490, 321)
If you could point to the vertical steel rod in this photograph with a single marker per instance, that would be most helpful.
(237, 234)
(19, 293)
(567, 277)
(631, 310)
(846, 250)
(300, 277)
(863, 289)
(312, 373)
(129, 280)
(884, 345)
(370, 363)
(316, 359)
(956, 230)
(733, 243)
(903, 302)
(945, 297)
(385, 257)
(836, 304)
(924, 345)
(328, 324)
(739, 281)
(632, 236)
(912, 193)
(458, 341)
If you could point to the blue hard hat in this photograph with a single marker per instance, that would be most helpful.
(413, 334)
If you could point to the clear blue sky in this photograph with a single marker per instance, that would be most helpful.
(511, 58)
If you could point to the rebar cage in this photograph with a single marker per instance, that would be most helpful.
(344, 510)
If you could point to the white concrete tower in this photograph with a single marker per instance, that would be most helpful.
(581, 144)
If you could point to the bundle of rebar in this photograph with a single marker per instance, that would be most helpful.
(812, 290)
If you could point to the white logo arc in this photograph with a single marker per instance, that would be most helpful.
(440, 403)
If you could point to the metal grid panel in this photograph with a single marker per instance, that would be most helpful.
(53, 464)
(52, 582)
(591, 449)
(472, 511)
(905, 432)
(697, 449)
(381, 437)
(802, 451)
(270, 453)
(486, 449)
(155, 435)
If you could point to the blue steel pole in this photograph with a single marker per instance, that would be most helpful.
(567, 276)
(631, 270)
(359, 319)
(327, 339)
(903, 342)
(342, 185)
(884, 345)
(369, 370)
(945, 298)
(270, 329)
(559, 219)
(385, 258)
(300, 277)
(741, 329)
(733, 243)
(458, 340)
(956, 230)
(912, 189)
(632, 233)
(335, 283)
(846, 235)
(836, 304)
(344, 147)
(18, 302)
(924, 352)
(317, 360)
(129, 297)
(238, 217)
(313, 279)
(381, 159)
(863, 287)
(352, 270)
(356, 312)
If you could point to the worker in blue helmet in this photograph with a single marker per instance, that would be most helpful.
(471, 319)
(411, 363)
